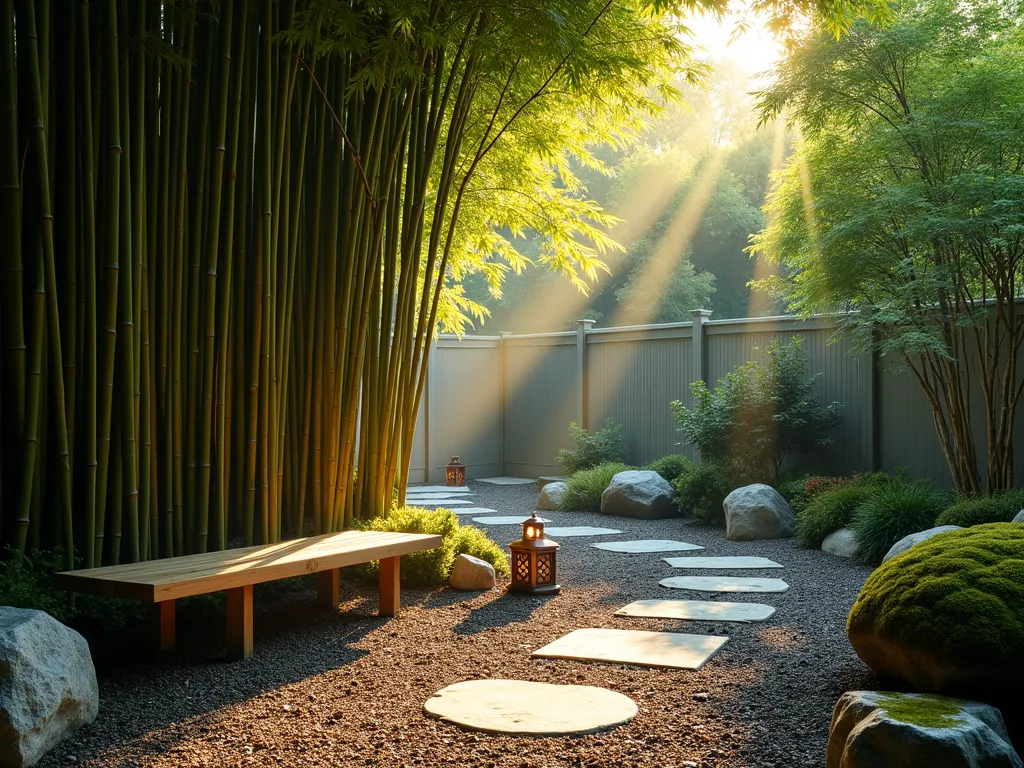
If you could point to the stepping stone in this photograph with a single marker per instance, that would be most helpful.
(724, 584)
(579, 530)
(505, 520)
(721, 562)
(506, 480)
(645, 546)
(429, 503)
(696, 610)
(533, 709)
(673, 650)
(437, 496)
(437, 489)
(474, 511)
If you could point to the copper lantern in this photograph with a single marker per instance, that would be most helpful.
(533, 561)
(455, 472)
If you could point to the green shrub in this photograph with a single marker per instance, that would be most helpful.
(828, 512)
(1000, 508)
(791, 484)
(758, 416)
(432, 568)
(670, 467)
(603, 447)
(583, 490)
(813, 487)
(702, 488)
(954, 605)
(894, 510)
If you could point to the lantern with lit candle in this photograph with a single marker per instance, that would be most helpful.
(533, 561)
(455, 473)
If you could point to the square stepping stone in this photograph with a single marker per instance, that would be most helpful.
(721, 562)
(644, 546)
(506, 480)
(673, 650)
(724, 584)
(437, 489)
(696, 610)
(579, 530)
(505, 520)
(474, 511)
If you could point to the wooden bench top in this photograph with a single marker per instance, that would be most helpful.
(174, 577)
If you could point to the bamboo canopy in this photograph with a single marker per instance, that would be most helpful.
(231, 229)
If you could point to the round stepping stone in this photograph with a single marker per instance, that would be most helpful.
(724, 584)
(579, 530)
(533, 709)
(696, 610)
(673, 650)
(505, 520)
(644, 546)
(721, 562)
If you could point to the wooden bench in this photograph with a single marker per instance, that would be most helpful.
(161, 582)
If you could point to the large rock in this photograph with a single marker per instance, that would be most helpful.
(47, 685)
(639, 493)
(545, 479)
(842, 543)
(551, 495)
(1019, 517)
(472, 574)
(757, 512)
(948, 615)
(907, 542)
(893, 730)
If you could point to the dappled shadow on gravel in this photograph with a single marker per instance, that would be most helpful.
(348, 689)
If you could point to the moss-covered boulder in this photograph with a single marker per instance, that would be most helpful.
(948, 614)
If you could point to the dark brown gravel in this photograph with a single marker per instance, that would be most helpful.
(348, 689)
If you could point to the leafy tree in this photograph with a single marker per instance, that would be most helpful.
(903, 209)
(758, 416)
(590, 450)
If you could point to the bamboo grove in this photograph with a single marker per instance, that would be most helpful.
(231, 230)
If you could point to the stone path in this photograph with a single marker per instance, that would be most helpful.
(672, 650)
(697, 610)
(506, 520)
(579, 530)
(724, 584)
(646, 546)
(721, 563)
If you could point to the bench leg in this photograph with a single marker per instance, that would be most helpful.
(327, 583)
(161, 625)
(240, 622)
(389, 596)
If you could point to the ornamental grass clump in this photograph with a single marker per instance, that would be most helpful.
(828, 513)
(1000, 508)
(894, 510)
(583, 490)
(433, 567)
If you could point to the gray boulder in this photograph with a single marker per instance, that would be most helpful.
(842, 543)
(545, 479)
(907, 542)
(892, 730)
(551, 495)
(639, 493)
(1019, 518)
(757, 512)
(47, 685)
(472, 574)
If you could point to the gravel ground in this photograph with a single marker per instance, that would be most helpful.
(348, 689)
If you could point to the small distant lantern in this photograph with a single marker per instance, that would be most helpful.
(533, 561)
(455, 473)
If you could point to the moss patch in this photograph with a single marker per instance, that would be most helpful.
(958, 597)
(923, 710)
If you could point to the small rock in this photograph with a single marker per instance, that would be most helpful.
(871, 729)
(47, 685)
(545, 479)
(639, 493)
(700, 697)
(842, 543)
(907, 542)
(472, 574)
(756, 512)
(1019, 518)
(551, 495)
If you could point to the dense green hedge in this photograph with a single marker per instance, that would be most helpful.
(1000, 508)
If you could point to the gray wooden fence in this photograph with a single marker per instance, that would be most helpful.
(504, 403)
